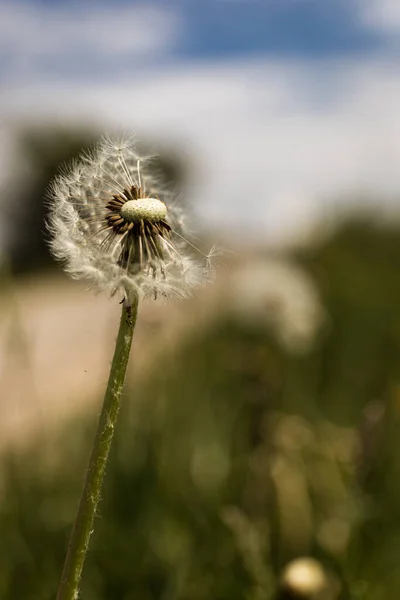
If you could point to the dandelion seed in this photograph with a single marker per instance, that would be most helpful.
(115, 224)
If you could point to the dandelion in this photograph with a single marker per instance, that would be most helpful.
(280, 295)
(115, 224)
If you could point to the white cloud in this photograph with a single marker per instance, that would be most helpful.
(380, 15)
(274, 142)
(35, 36)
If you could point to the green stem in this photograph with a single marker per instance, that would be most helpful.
(83, 526)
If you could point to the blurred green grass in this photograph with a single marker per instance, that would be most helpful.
(237, 454)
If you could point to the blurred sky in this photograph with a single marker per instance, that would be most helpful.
(285, 106)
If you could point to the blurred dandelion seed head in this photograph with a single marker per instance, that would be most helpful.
(115, 223)
(282, 296)
(305, 577)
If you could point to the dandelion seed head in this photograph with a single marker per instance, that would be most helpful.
(280, 295)
(115, 223)
(305, 577)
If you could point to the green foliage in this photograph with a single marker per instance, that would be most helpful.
(235, 456)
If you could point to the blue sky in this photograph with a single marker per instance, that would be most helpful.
(296, 99)
(198, 30)
(303, 28)
(217, 28)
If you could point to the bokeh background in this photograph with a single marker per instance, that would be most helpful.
(258, 453)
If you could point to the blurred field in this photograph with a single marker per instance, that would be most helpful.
(260, 424)
(56, 342)
(257, 455)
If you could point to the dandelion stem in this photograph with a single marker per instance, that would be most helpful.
(83, 526)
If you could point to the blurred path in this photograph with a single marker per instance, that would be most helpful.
(56, 343)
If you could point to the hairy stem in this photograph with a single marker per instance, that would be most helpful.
(83, 526)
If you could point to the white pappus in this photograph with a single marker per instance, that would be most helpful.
(113, 223)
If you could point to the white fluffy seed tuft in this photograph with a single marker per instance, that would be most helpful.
(114, 223)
